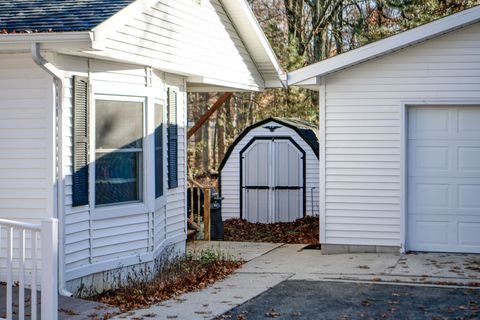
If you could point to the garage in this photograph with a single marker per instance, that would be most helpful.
(443, 211)
(400, 140)
(270, 173)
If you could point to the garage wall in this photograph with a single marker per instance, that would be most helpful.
(230, 174)
(363, 126)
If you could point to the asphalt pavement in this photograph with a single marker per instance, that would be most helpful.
(300, 299)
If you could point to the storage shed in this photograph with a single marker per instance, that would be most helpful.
(400, 143)
(270, 173)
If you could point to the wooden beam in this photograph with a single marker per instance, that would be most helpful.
(223, 98)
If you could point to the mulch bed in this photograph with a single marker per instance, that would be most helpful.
(303, 231)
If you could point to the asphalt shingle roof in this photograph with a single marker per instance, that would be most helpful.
(56, 15)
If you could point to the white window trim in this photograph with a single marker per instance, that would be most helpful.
(121, 208)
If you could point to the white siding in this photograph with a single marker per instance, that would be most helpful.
(185, 37)
(230, 174)
(176, 198)
(363, 131)
(26, 139)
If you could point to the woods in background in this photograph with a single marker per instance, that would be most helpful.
(302, 32)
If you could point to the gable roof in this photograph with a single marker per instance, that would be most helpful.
(62, 22)
(308, 132)
(56, 15)
(308, 76)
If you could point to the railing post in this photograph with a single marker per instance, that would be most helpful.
(206, 213)
(49, 293)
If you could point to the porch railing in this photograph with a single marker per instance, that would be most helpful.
(17, 234)
(199, 209)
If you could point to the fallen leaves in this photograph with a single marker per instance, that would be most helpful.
(303, 231)
(178, 276)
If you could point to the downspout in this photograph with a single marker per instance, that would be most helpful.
(59, 214)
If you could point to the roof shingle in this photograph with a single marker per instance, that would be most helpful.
(56, 15)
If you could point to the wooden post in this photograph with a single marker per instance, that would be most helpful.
(209, 112)
(206, 213)
(191, 205)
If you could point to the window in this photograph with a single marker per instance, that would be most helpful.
(118, 151)
(172, 139)
(158, 150)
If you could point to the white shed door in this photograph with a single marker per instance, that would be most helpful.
(272, 181)
(444, 179)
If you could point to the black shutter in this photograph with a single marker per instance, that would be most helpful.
(159, 150)
(80, 141)
(172, 139)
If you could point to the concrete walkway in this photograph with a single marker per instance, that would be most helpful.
(270, 264)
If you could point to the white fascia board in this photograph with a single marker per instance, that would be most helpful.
(118, 20)
(380, 48)
(205, 84)
(251, 33)
(81, 40)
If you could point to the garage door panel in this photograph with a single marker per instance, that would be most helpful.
(427, 232)
(430, 123)
(444, 179)
(427, 196)
(468, 234)
(468, 159)
(468, 123)
(469, 196)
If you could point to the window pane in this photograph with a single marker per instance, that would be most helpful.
(117, 177)
(119, 124)
(158, 150)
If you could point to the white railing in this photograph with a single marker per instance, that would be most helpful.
(48, 230)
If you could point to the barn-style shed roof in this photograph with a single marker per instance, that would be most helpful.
(304, 129)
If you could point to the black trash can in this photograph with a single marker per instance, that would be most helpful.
(216, 222)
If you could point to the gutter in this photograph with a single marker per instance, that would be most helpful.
(47, 37)
(59, 213)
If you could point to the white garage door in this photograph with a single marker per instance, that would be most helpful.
(444, 179)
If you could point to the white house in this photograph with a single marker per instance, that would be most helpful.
(400, 140)
(270, 172)
(93, 116)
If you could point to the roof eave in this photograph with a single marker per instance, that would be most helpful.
(258, 40)
(80, 40)
(383, 47)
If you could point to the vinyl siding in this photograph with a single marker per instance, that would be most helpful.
(363, 131)
(176, 197)
(230, 174)
(184, 37)
(26, 139)
(26, 151)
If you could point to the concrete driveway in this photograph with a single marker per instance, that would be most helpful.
(272, 264)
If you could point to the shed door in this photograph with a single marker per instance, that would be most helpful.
(444, 179)
(272, 181)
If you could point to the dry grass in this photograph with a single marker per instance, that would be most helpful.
(178, 276)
